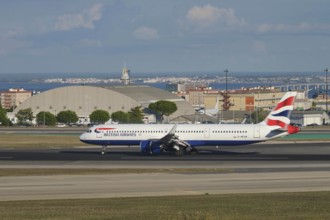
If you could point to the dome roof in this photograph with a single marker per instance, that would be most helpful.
(84, 99)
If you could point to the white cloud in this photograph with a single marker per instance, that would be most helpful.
(207, 15)
(145, 33)
(302, 27)
(84, 19)
(264, 28)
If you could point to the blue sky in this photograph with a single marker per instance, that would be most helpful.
(65, 36)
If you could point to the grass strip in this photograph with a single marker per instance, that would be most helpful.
(81, 171)
(266, 206)
(39, 141)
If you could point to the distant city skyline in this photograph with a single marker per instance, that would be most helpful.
(154, 36)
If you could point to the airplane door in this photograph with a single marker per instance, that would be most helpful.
(257, 131)
(206, 132)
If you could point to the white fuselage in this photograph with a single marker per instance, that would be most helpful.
(195, 135)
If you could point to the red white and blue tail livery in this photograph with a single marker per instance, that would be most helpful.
(279, 118)
(180, 138)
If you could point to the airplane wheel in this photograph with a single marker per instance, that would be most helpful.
(178, 153)
(193, 151)
(103, 149)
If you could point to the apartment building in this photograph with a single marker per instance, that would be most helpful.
(14, 97)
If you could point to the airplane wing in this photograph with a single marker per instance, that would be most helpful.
(170, 135)
(172, 139)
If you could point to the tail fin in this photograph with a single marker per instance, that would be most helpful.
(279, 117)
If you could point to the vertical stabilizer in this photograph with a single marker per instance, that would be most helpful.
(279, 117)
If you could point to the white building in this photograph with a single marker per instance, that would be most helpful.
(309, 118)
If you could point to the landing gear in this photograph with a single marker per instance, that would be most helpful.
(193, 151)
(103, 149)
(178, 151)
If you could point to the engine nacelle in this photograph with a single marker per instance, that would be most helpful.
(155, 150)
(145, 146)
(150, 148)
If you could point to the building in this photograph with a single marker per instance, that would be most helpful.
(251, 100)
(321, 102)
(196, 98)
(306, 118)
(195, 119)
(125, 77)
(227, 117)
(190, 86)
(171, 87)
(85, 99)
(14, 97)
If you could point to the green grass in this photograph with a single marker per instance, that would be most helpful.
(39, 141)
(306, 137)
(309, 205)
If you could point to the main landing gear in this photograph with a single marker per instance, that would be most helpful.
(179, 151)
(193, 151)
(103, 149)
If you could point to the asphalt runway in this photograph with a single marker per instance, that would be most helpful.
(268, 151)
(266, 167)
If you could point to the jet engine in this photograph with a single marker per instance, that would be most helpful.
(150, 147)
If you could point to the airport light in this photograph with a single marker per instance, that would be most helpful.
(326, 90)
(226, 104)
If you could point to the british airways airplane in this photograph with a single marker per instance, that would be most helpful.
(181, 138)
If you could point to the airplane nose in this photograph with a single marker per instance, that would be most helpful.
(82, 137)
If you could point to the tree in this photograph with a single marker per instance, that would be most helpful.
(99, 116)
(24, 116)
(46, 118)
(120, 116)
(163, 107)
(67, 117)
(135, 115)
(4, 121)
(258, 115)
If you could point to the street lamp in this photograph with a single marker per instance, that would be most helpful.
(326, 90)
(250, 106)
(226, 71)
(225, 105)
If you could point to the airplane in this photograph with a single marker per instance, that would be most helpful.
(181, 138)
(212, 111)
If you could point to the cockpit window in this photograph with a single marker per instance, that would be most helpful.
(97, 131)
